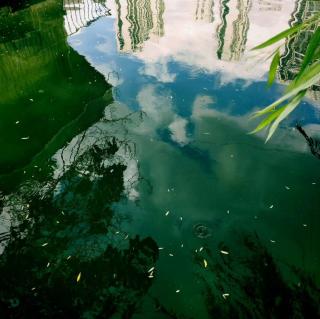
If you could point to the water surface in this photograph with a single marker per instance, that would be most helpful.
(130, 187)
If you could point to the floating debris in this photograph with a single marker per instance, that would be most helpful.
(34, 288)
(48, 264)
(68, 257)
(287, 187)
(44, 245)
(225, 296)
(79, 277)
(205, 263)
(228, 211)
(224, 252)
(167, 213)
(31, 100)
(57, 222)
(160, 248)
(256, 217)
(127, 236)
(25, 138)
(17, 122)
(181, 246)
(314, 183)
(151, 269)
(272, 241)
(271, 206)
(181, 218)
(151, 276)
(177, 291)
(305, 225)
(171, 255)
(201, 249)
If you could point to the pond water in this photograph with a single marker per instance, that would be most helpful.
(129, 185)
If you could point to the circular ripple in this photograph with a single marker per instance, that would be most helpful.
(202, 231)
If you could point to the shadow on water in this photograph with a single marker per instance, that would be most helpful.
(66, 255)
(43, 82)
(250, 283)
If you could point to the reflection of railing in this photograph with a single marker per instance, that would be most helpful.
(80, 13)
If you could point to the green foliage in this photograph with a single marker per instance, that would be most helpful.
(308, 75)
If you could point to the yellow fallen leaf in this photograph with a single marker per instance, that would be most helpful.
(205, 263)
(79, 277)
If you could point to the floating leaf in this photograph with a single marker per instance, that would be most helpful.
(205, 263)
(79, 277)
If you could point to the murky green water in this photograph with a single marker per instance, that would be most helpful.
(129, 187)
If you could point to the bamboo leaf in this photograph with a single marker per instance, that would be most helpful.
(313, 45)
(273, 67)
(304, 83)
(280, 36)
(285, 111)
(307, 76)
(269, 119)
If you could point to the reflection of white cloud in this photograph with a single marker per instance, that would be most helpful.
(196, 44)
(158, 107)
(178, 129)
(159, 71)
(201, 107)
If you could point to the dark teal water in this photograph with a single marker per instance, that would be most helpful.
(129, 185)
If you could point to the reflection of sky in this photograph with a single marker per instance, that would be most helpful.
(192, 146)
(131, 72)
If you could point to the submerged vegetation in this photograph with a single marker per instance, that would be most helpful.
(305, 78)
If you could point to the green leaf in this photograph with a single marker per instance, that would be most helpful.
(285, 111)
(280, 36)
(312, 48)
(267, 120)
(311, 72)
(305, 82)
(273, 67)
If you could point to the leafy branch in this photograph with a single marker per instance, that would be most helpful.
(308, 75)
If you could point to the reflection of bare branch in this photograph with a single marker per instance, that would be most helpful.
(314, 144)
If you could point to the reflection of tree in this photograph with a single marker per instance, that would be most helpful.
(233, 30)
(66, 226)
(250, 284)
(137, 21)
(295, 47)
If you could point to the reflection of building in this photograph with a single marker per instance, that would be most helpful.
(270, 5)
(204, 10)
(295, 48)
(138, 20)
(79, 13)
(232, 32)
